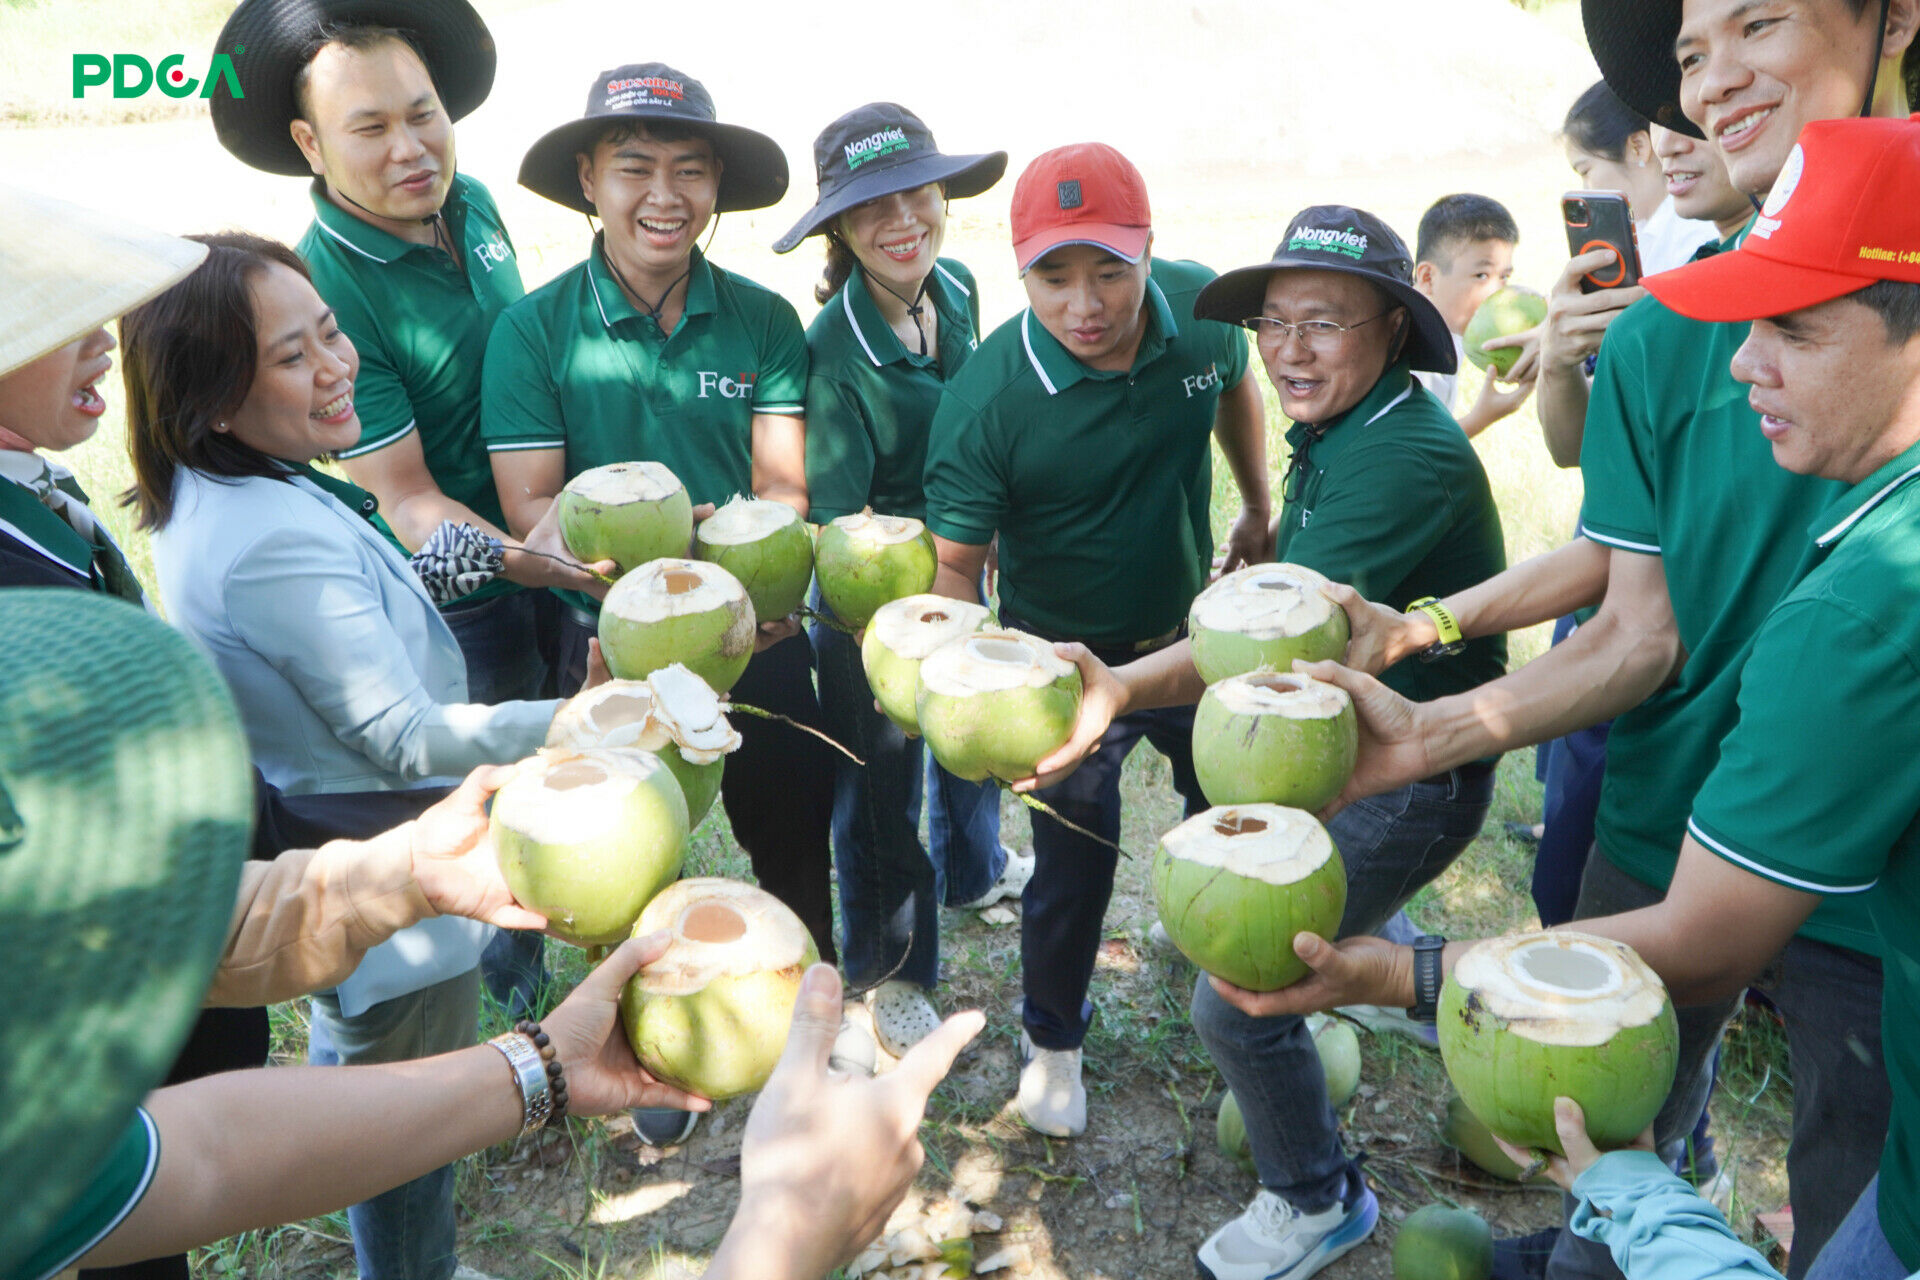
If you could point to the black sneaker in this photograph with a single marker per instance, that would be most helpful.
(663, 1126)
(1523, 1257)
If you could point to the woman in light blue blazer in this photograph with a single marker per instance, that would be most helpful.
(347, 679)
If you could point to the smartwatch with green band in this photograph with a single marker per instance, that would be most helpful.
(1450, 641)
(1427, 977)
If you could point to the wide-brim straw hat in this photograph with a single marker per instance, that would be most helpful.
(126, 803)
(66, 270)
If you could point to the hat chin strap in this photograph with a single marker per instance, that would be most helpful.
(1873, 68)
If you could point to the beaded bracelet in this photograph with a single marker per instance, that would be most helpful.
(536, 1069)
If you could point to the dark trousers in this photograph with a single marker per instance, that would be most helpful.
(1572, 769)
(778, 787)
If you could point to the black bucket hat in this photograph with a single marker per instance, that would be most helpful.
(1334, 237)
(753, 171)
(877, 150)
(270, 41)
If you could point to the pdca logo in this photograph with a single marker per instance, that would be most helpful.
(132, 75)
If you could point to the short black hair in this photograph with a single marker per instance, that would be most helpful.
(1599, 123)
(1897, 303)
(1456, 221)
(358, 36)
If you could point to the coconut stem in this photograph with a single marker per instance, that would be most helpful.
(596, 954)
(804, 728)
(595, 574)
(807, 613)
(1041, 806)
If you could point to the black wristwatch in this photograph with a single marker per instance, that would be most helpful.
(1427, 975)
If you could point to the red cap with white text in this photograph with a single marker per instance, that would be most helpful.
(1844, 213)
(1087, 193)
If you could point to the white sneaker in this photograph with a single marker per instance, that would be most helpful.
(1013, 879)
(1162, 942)
(854, 1050)
(902, 1015)
(1273, 1240)
(1051, 1099)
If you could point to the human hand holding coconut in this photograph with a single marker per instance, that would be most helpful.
(1103, 699)
(1393, 738)
(827, 1155)
(551, 564)
(1571, 1124)
(603, 1076)
(454, 862)
(1358, 970)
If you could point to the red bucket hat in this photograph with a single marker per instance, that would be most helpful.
(1844, 213)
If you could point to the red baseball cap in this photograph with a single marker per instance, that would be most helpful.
(1844, 213)
(1087, 193)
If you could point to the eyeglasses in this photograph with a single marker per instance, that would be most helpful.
(1316, 335)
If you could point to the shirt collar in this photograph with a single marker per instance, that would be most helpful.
(1058, 369)
(611, 299)
(368, 241)
(1851, 507)
(37, 524)
(871, 330)
(1393, 389)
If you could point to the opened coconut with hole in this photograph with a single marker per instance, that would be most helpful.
(711, 1014)
(1270, 738)
(1262, 618)
(627, 512)
(588, 838)
(766, 546)
(672, 713)
(865, 560)
(995, 703)
(1235, 885)
(1556, 1013)
(685, 611)
(902, 635)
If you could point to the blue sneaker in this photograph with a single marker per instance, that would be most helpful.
(1273, 1240)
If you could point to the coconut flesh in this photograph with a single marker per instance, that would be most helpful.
(764, 544)
(627, 512)
(1265, 616)
(1236, 883)
(711, 1014)
(1275, 739)
(900, 637)
(995, 703)
(865, 560)
(588, 838)
(1555, 1013)
(685, 611)
(671, 713)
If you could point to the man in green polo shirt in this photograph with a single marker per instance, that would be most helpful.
(646, 350)
(1078, 433)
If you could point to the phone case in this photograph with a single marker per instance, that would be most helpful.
(1596, 218)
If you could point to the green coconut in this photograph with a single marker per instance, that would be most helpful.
(995, 703)
(865, 560)
(1439, 1243)
(1339, 1047)
(711, 1015)
(764, 544)
(1269, 738)
(1510, 311)
(900, 636)
(671, 713)
(1463, 1132)
(1264, 617)
(1236, 883)
(685, 611)
(1534, 1016)
(627, 512)
(1230, 1132)
(588, 838)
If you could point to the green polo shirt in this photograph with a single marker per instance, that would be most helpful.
(1097, 482)
(1814, 789)
(1390, 498)
(870, 401)
(421, 328)
(575, 366)
(117, 1188)
(1675, 466)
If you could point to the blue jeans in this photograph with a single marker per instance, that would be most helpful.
(507, 641)
(1830, 999)
(1572, 769)
(1391, 844)
(406, 1233)
(1859, 1249)
(891, 890)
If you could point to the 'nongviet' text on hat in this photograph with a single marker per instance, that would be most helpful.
(1087, 193)
(272, 41)
(877, 150)
(1334, 237)
(753, 169)
(1844, 213)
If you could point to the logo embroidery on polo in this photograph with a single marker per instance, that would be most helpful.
(1068, 193)
(1348, 243)
(882, 143)
(738, 386)
(492, 253)
(1206, 380)
(1783, 188)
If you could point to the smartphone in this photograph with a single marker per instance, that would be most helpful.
(1602, 218)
